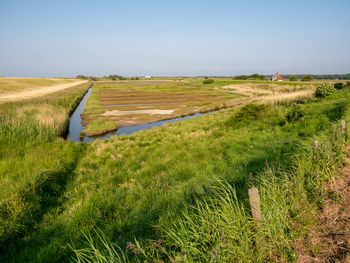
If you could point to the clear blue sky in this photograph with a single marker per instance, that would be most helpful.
(179, 37)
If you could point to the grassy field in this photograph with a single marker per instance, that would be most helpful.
(34, 161)
(10, 85)
(176, 193)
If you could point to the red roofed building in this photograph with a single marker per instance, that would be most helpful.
(277, 77)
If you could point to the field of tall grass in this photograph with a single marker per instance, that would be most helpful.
(176, 193)
(35, 161)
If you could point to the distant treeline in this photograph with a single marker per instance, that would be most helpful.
(323, 76)
(253, 76)
(303, 77)
(109, 77)
(256, 76)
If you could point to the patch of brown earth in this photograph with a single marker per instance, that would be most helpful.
(329, 241)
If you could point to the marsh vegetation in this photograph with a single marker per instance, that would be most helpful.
(172, 193)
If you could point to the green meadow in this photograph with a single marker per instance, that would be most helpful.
(176, 193)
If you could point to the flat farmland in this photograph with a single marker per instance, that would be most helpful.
(125, 103)
(138, 102)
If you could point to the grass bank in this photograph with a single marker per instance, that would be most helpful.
(35, 163)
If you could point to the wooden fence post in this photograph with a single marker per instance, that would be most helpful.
(343, 127)
(254, 200)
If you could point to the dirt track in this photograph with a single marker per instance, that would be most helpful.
(22, 95)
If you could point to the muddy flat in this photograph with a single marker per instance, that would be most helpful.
(139, 102)
(151, 112)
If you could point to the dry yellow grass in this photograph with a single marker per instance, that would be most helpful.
(10, 85)
(46, 115)
(269, 93)
(38, 91)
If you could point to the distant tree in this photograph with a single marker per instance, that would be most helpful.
(253, 77)
(306, 78)
(292, 78)
(256, 76)
(241, 77)
(208, 81)
(115, 77)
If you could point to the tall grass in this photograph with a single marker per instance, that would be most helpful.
(92, 254)
(35, 164)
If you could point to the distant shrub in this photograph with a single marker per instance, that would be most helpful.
(208, 81)
(251, 112)
(348, 83)
(306, 78)
(324, 90)
(295, 114)
(252, 77)
(293, 78)
(339, 85)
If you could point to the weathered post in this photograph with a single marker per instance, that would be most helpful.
(316, 144)
(254, 200)
(315, 149)
(343, 127)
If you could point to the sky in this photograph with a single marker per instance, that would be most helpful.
(64, 38)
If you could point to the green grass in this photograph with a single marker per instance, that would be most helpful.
(99, 127)
(35, 164)
(179, 190)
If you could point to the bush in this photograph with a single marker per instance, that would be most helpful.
(293, 78)
(251, 112)
(295, 114)
(306, 78)
(208, 81)
(339, 86)
(324, 90)
(348, 84)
